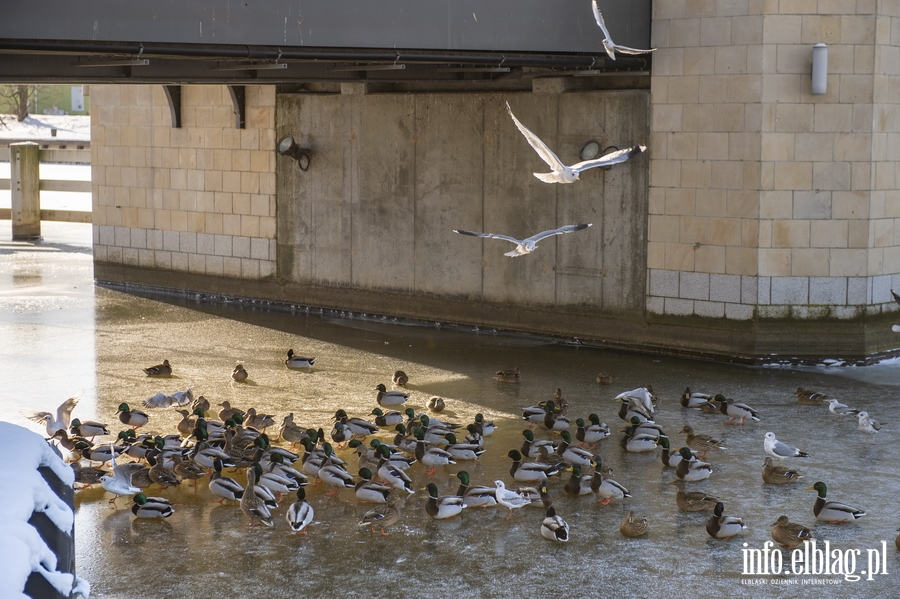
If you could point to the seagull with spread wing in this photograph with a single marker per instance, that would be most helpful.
(569, 174)
(611, 47)
(528, 245)
(896, 327)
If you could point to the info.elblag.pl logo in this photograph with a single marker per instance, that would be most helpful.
(813, 560)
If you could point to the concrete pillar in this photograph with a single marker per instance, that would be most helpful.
(25, 179)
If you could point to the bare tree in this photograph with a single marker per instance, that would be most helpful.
(18, 98)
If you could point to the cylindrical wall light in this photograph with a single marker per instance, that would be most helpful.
(819, 69)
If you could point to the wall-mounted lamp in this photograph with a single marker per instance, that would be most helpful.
(286, 146)
(819, 69)
(590, 150)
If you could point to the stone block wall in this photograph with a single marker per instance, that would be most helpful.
(197, 199)
(766, 200)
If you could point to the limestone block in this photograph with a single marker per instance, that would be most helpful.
(250, 225)
(793, 175)
(790, 233)
(829, 234)
(710, 202)
(857, 29)
(774, 262)
(700, 60)
(746, 29)
(741, 260)
(684, 33)
(215, 265)
(231, 224)
(680, 256)
(808, 262)
(666, 117)
(831, 175)
(656, 254)
(715, 31)
(696, 173)
(781, 29)
(709, 259)
(847, 262)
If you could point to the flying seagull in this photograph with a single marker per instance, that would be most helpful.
(569, 174)
(611, 47)
(528, 245)
(896, 327)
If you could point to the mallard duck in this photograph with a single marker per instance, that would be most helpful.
(578, 484)
(58, 422)
(239, 374)
(389, 398)
(390, 418)
(554, 420)
(840, 409)
(509, 498)
(642, 396)
(484, 427)
(779, 475)
(396, 457)
(670, 457)
(691, 469)
(866, 424)
(151, 507)
(695, 501)
(444, 507)
(637, 443)
(554, 528)
(279, 484)
(605, 488)
(473, 437)
(432, 457)
(897, 540)
(604, 379)
(437, 404)
(299, 514)
(164, 369)
(133, 418)
(634, 526)
(252, 504)
(532, 448)
(527, 472)
(632, 407)
(383, 515)
(228, 411)
(87, 475)
(159, 474)
(187, 469)
(533, 414)
(223, 486)
(790, 534)
(574, 456)
(591, 434)
(834, 512)
(735, 410)
(646, 427)
(810, 398)
(295, 362)
(462, 451)
(701, 443)
(720, 526)
(88, 429)
(100, 453)
(368, 491)
(358, 427)
(695, 399)
(403, 441)
(476, 496)
(391, 474)
(509, 375)
(258, 421)
(399, 379)
(777, 449)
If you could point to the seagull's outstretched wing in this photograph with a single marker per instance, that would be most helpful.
(489, 236)
(535, 142)
(160, 400)
(598, 16)
(559, 231)
(896, 297)
(609, 159)
(609, 44)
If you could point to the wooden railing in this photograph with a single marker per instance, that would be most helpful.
(60, 156)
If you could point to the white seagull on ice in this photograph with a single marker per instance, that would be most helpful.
(777, 449)
(611, 47)
(528, 245)
(569, 174)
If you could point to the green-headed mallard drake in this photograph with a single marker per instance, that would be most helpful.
(299, 514)
(553, 420)
(695, 501)
(534, 414)
(224, 487)
(509, 498)
(701, 443)
(605, 488)
(634, 442)
(368, 491)
(735, 410)
(808, 397)
(239, 374)
(389, 398)
(391, 418)
(720, 526)
(779, 475)
(462, 451)
(790, 534)
(695, 399)
(508, 375)
(632, 407)
(777, 449)
(532, 448)
(670, 457)
(690, 468)
(432, 457)
(60, 420)
(151, 507)
(553, 527)
(475, 496)
(642, 397)
(400, 379)
(437, 404)
(358, 427)
(440, 508)
(279, 484)
(133, 418)
(484, 427)
(578, 484)
(591, 434)
(834, 512)
(574, 456)
(391, 474)
(526, 472)
(634, 526)
(383, 515)
(296, 362)
(251, 503)
(366, 457)
(88, 428)
(164, 369)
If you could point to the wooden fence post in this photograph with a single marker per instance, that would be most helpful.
(25, 193)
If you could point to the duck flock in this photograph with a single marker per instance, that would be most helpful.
(387, 455)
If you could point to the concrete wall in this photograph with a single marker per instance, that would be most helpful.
(391, 175)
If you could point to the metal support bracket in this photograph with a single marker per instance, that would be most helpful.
(173, 95)
(239, 100)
